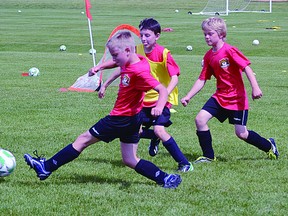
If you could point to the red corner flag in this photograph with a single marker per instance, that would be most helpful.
(88, 6)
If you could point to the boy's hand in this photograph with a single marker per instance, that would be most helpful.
(256, 93)
(156, 111)
(101, 92)
(185, 100)
(93, 71)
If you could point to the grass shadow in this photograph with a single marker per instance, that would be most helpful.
(116, 163)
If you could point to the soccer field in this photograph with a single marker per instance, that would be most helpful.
(34, 114)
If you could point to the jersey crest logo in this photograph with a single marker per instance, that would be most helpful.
(125, 80)
(224, 63)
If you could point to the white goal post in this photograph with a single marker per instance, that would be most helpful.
(217, 7)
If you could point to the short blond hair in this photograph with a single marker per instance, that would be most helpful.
(122, 40)
(217, 24)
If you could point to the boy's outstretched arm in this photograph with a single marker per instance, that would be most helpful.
(256, 91)
(105, 65)
(111, 78)
(198, 85)
(173, 83)
(163, 97)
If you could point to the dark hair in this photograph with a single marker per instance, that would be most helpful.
(150, 24)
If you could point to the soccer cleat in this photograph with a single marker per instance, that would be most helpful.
(203, 159)
(273, 153)
(185, 167)
(172, 181)
(38, 165)
(153, 147)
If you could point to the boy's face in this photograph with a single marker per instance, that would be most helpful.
(120, 57)
(148, 38)
(211, 37)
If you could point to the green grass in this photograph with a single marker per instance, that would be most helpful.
(35, 115)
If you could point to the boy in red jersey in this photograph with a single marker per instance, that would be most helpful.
(226, 63)
(163, 68)
(124, 120)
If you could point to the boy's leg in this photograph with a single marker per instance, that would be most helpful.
(161, 121)
(44, 168)
(205, 141)
(70, 152)
(154, 140)
(147, 168)
(204, 136)
(172, 147)
(148, 134)
(256, 140)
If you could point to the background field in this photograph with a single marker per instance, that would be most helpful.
(35, 115)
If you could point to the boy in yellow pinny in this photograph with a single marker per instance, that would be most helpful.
(164, 68)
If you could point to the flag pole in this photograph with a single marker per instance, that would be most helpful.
(91, 42)
(89, 18)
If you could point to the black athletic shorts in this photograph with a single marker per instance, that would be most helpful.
(126, 128)
(149, 120)
(239, 117)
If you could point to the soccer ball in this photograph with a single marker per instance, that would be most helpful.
(34, 71)
(7, 163)
(91, 51)
(189, 48)
(62, 48)
(255, 42)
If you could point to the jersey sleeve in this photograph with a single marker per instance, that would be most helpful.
(207, 70)
(172, 66)
(239, 58)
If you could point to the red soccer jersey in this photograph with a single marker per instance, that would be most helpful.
(227, 65)
(135, 80)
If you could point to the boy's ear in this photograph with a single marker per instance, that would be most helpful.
(127, 49)
(158, 36)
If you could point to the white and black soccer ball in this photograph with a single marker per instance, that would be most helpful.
(34, 71)
(255, 42)
(189, 48)
(7, 163)
(62, 48)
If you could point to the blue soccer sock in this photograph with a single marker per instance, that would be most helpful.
(175, 151)
(148, 134)
(151, 171)
(64, 156)
(205, 141)
(258, 141)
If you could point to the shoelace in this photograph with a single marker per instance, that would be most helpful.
(35, 152)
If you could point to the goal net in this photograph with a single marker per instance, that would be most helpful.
(86, 83)
(217, 7)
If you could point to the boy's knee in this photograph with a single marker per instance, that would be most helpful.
(200, 121)
(241, 135)
(83, 141)
(159, 131)
(241, 132)
(130, 162)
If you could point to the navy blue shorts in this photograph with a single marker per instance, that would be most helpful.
(126, 128)
(238, 117)
(149, 120)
